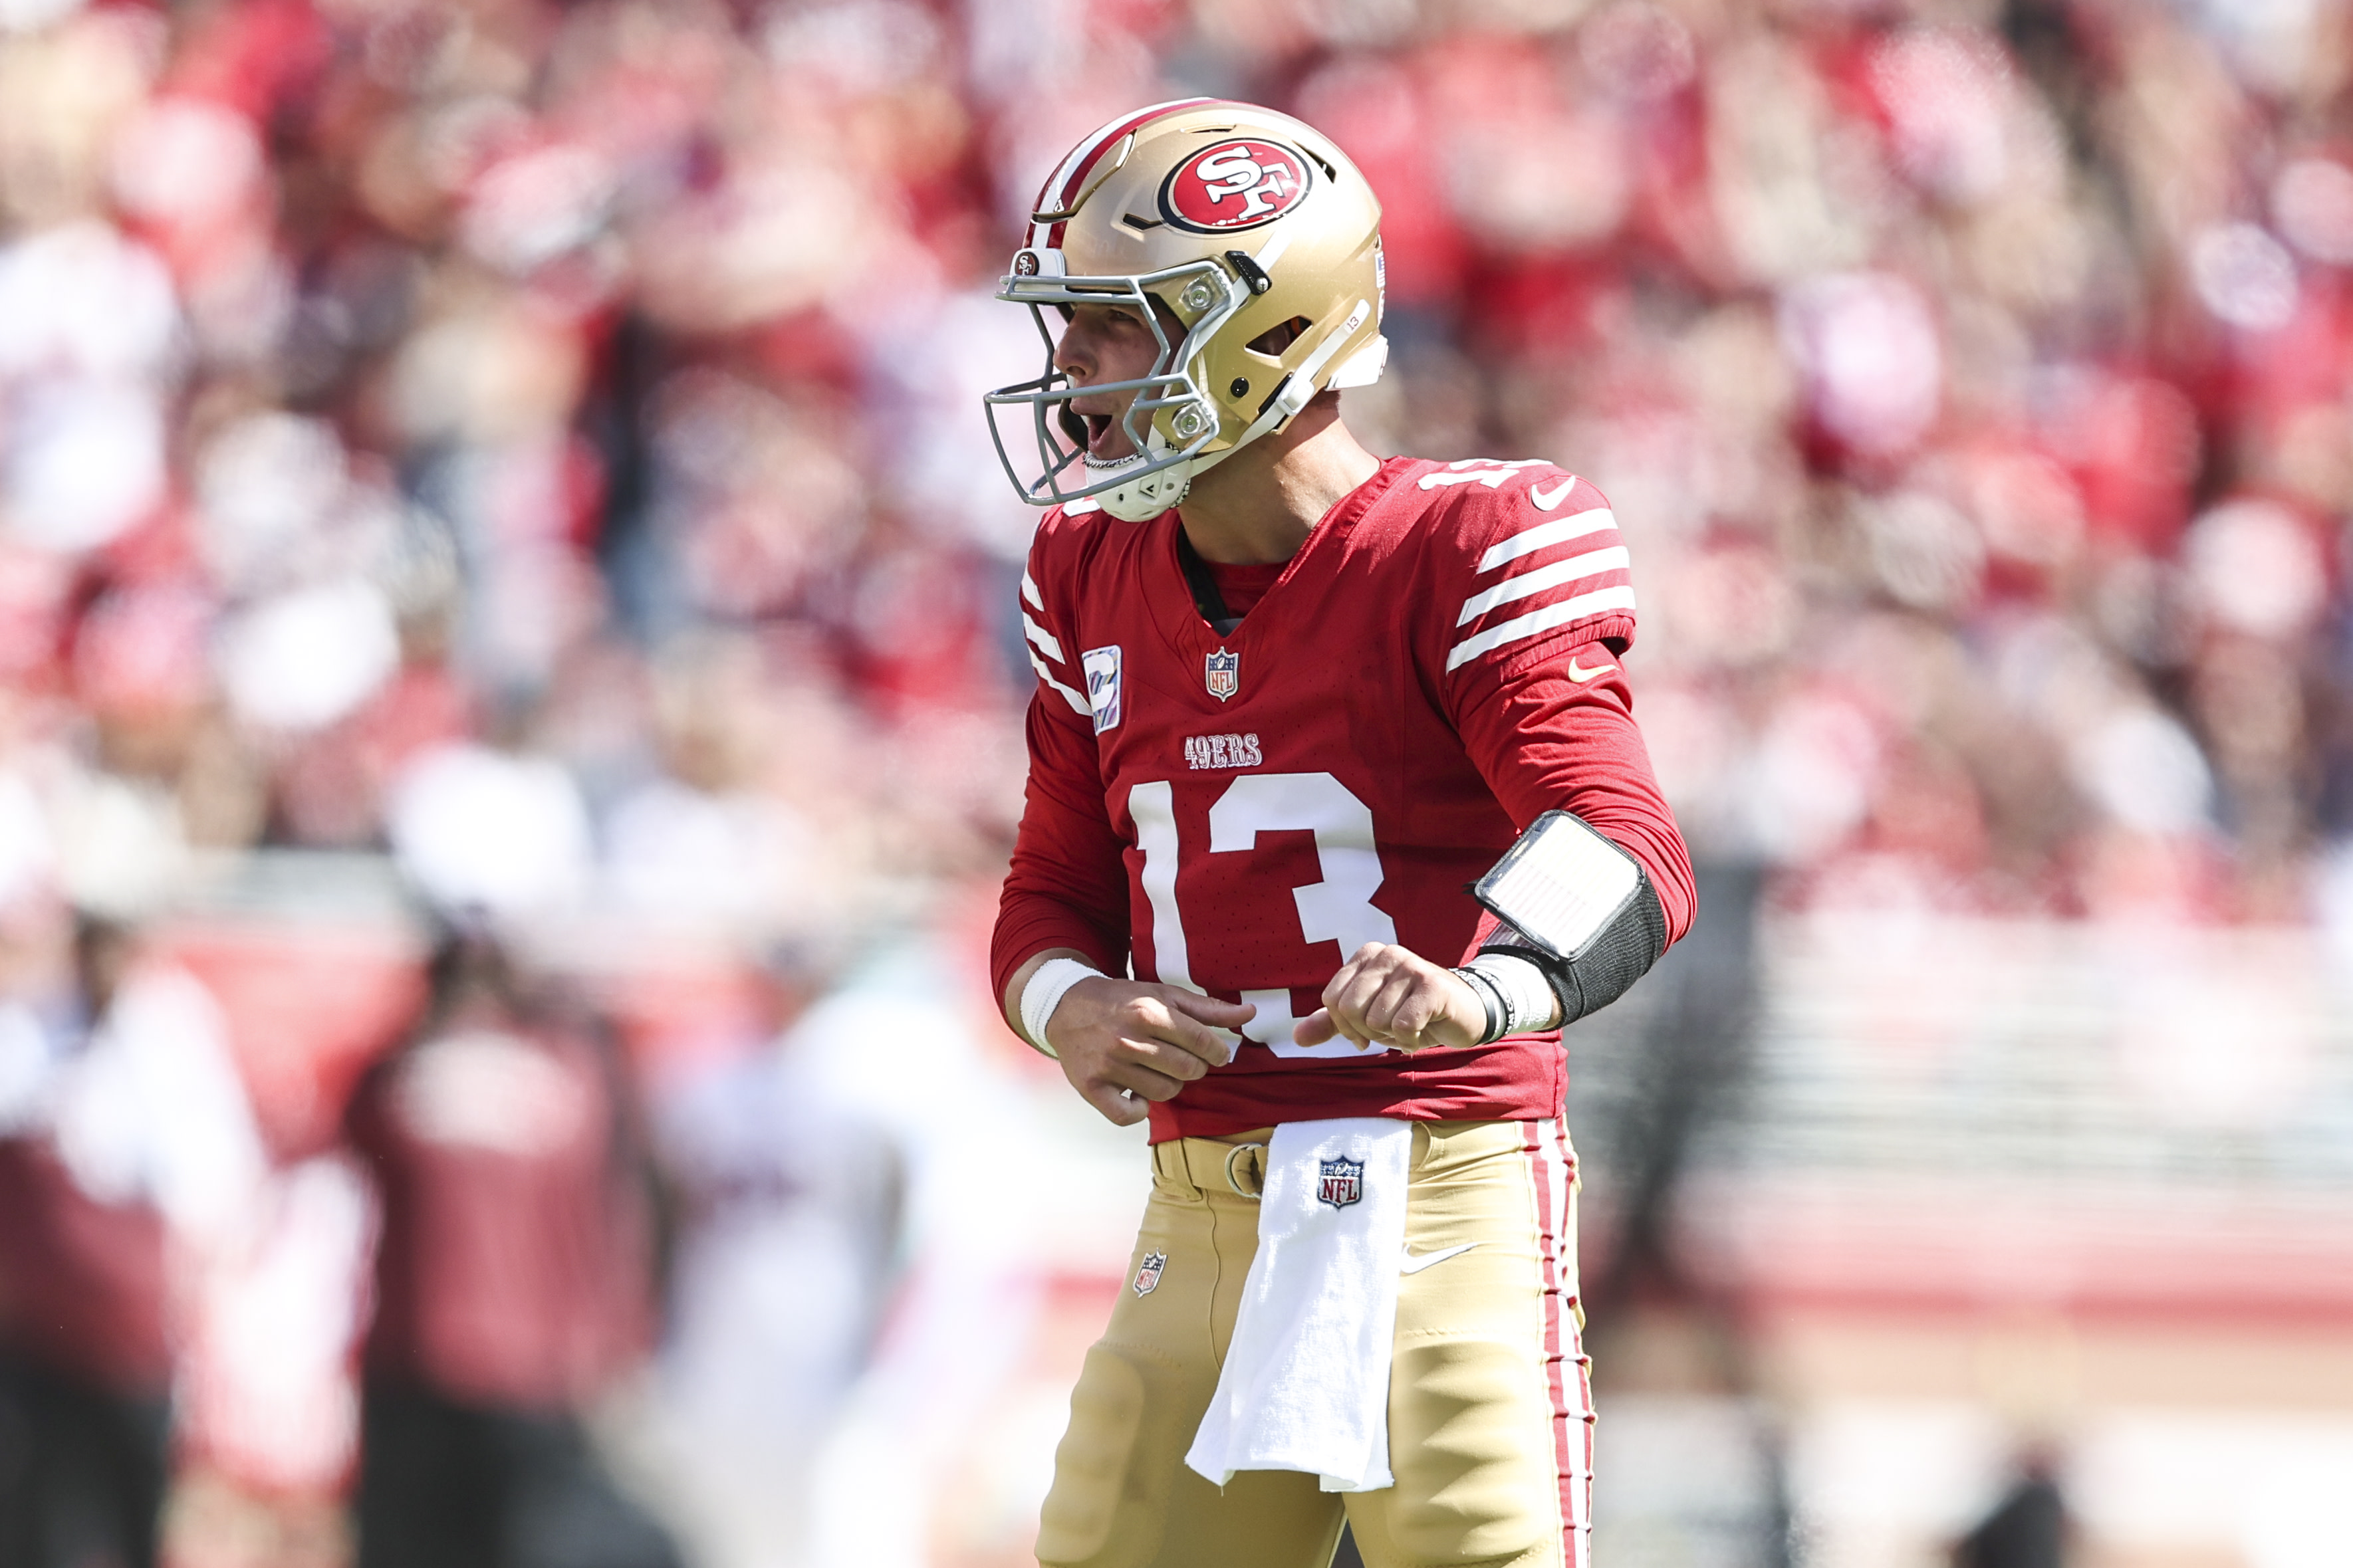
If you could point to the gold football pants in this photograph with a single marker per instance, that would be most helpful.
(1491, 1410)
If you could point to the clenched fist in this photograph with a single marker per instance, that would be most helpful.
(1388, 995)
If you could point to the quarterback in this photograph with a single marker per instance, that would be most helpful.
(1337, 814)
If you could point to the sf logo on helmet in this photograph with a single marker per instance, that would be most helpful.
(1236, 183)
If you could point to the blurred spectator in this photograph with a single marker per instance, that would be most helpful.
(792, 1199)
(512, 1284)
(2027, 1529)
(369, 368)
(127, 1149)
(701, 845)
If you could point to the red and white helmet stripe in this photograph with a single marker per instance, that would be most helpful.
(1067, 181)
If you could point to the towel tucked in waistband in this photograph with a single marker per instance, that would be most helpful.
(1305, 1385)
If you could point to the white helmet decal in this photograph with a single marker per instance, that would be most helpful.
(1234, 184)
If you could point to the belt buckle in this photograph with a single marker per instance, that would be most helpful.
(1232, 1181)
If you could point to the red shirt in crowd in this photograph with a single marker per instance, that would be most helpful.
(513, 1268)
(82, 1281)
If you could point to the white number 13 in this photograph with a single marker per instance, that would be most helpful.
(1337, 909)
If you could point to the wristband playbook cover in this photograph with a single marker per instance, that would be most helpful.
(1579, 906)
(1561, 886)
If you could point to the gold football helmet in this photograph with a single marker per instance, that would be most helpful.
(1237, 220)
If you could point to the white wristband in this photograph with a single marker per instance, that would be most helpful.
(1528, 999)
(1044, 991)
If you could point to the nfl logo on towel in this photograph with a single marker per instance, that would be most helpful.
(1147, 1278)
(1222, 673)
(1343, 1182)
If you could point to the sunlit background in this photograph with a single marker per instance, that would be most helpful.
(509, 477)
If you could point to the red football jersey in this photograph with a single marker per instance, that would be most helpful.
(1436, 665)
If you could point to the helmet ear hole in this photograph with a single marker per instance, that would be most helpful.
(1279, 337)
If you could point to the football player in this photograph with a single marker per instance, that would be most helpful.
(1295, 701)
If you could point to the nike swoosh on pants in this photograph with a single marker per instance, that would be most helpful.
(1413, 1265)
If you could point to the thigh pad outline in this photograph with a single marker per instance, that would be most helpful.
(1470, 1440)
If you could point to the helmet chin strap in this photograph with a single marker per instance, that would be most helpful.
(1144, 498)
(1147, 496)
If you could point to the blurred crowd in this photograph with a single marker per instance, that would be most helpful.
(537, 446)
(1972, 380)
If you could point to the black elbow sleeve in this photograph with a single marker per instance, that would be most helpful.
(1621, 953)
(1578, 907)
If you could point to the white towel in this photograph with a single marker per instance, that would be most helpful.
(1305, 1385)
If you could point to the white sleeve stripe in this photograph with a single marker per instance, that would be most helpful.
(1544, 534)
(1488, 472)
(1029, 591)
(1044, 639)
(1592, 563)
(1544, 620)
(1069, 696)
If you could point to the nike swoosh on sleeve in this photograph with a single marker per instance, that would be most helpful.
(1415, 1265)
(1581, 676)
(1547, 503)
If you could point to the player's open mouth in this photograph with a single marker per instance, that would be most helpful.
(1106, 441)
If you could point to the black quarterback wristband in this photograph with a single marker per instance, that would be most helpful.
(1490, 998)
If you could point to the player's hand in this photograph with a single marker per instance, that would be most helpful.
(1388, 995)
(1124, 1042)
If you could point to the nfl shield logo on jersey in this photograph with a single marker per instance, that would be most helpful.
(1147, 1277)
(1222, 673)
(1343, 1181)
